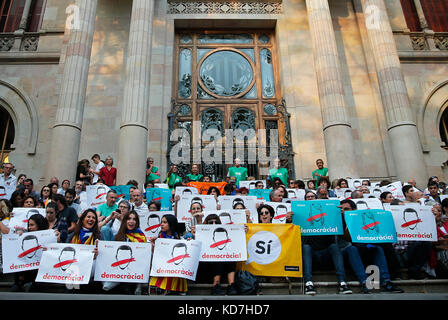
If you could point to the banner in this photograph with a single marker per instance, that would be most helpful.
(273, 250)
(96, 195)
(249, 202)
(150, 222)
(185, 191)
(123, 261)
(261, 194)
(368, 203)
(123, 192)
(222, 243)
(280, 210)
(228, 216)
(414, 222)
(317, 217)
(66, 264)
(208, 202)
(176, 258)
(21, 216)
(161, 195)
(203, 187)
(250, 184)
(371, 226)
(22, 253)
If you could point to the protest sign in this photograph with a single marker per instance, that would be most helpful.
(21, 216)
(251, 184)
(343, 193)
(66, 264)
(395, 189)
(208, 202)
(222, 243)
(261, 194)
(317, 217)
(119, 261)
(150, 222)
(123, 192)
(231, 216)
(176, 258)
(371, 226)
(96, 195)
(280, 210)
(296, 194)
(249, 203)
(414, 222)
(23, 252)
(161, 195)
(185, 191)
(368, 203)
(355, 183)
(273, 250)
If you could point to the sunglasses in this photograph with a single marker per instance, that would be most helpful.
(213, 222)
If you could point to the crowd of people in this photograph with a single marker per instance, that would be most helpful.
(73, 222)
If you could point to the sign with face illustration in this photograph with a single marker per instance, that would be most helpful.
(123, 261)
(252, 184)
(395, 189)
(66, 264)
(21, 253)
(21, 216)
(184, 206)
(96, 195)
(280, 211)
(414, 222)
(343, 193)
(368, 203)
(229, 216)
(240, 202)
(176, 258)
(222, 242)
(150, 222)
(317, 217)
(186, 191)
(371, 226)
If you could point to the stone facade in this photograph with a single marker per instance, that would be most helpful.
(31, 83)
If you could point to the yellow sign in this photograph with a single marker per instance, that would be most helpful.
(273, 250)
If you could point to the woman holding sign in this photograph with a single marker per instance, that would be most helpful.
(168, 285)
(129, 232)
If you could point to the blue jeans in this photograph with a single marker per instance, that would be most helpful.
(322, 258)
(376, 254)
(351, 253)
(107, 233)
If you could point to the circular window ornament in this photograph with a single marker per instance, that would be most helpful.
(226, 73)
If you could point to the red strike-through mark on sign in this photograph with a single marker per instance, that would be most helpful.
(124, 261)
(179, 258)
(370, 225)
(217, 244)
(317, 216)
(280, 216)
(152, 227)
(64, 263)
(157, 199)
(27, 252)
(100, 195)
(410, 223)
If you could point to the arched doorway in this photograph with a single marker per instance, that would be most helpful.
(7, 134)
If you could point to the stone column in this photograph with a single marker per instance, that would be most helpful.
(337, 129)
(402, 130)
(25, 15)
(133, 140)
(429, 34)
(66, 134)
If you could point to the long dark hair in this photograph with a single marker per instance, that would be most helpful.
(95, 230)
(41, 221)
(121, 234)
(172, 223)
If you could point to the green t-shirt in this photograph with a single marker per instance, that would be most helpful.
(195, 177)
(281, 173)
(322, 172)
(173, 179)
(152, 176)
(239, 173)
(105, 210)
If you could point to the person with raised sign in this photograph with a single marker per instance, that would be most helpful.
(167, 285)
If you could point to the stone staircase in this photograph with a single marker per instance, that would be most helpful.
(324, 281)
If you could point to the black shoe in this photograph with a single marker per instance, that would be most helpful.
(16, 288)
(364, 289)
(309, 288)
(419, 275)
(217, 290)
(231, 290)
(390, 287)
(343, 288)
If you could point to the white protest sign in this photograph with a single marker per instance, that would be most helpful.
(280, 210)
(150, 222)
(395, 189)
(376, 191)
(186, 191)
(368, 203)
(228, 216)
(414, 222)
(343, 193)
(176, 258)
(354, 183)
(251, 184)
(96, 195)
(21, 253)
(119, 261)
(21, 216)
(249, 202)
(222, 243)
(208, 202)
(161, 185)
(66, 264)
(296, 194)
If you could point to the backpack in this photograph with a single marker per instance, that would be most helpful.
(247, 283)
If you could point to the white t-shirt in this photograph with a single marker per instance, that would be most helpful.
(98, 168)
